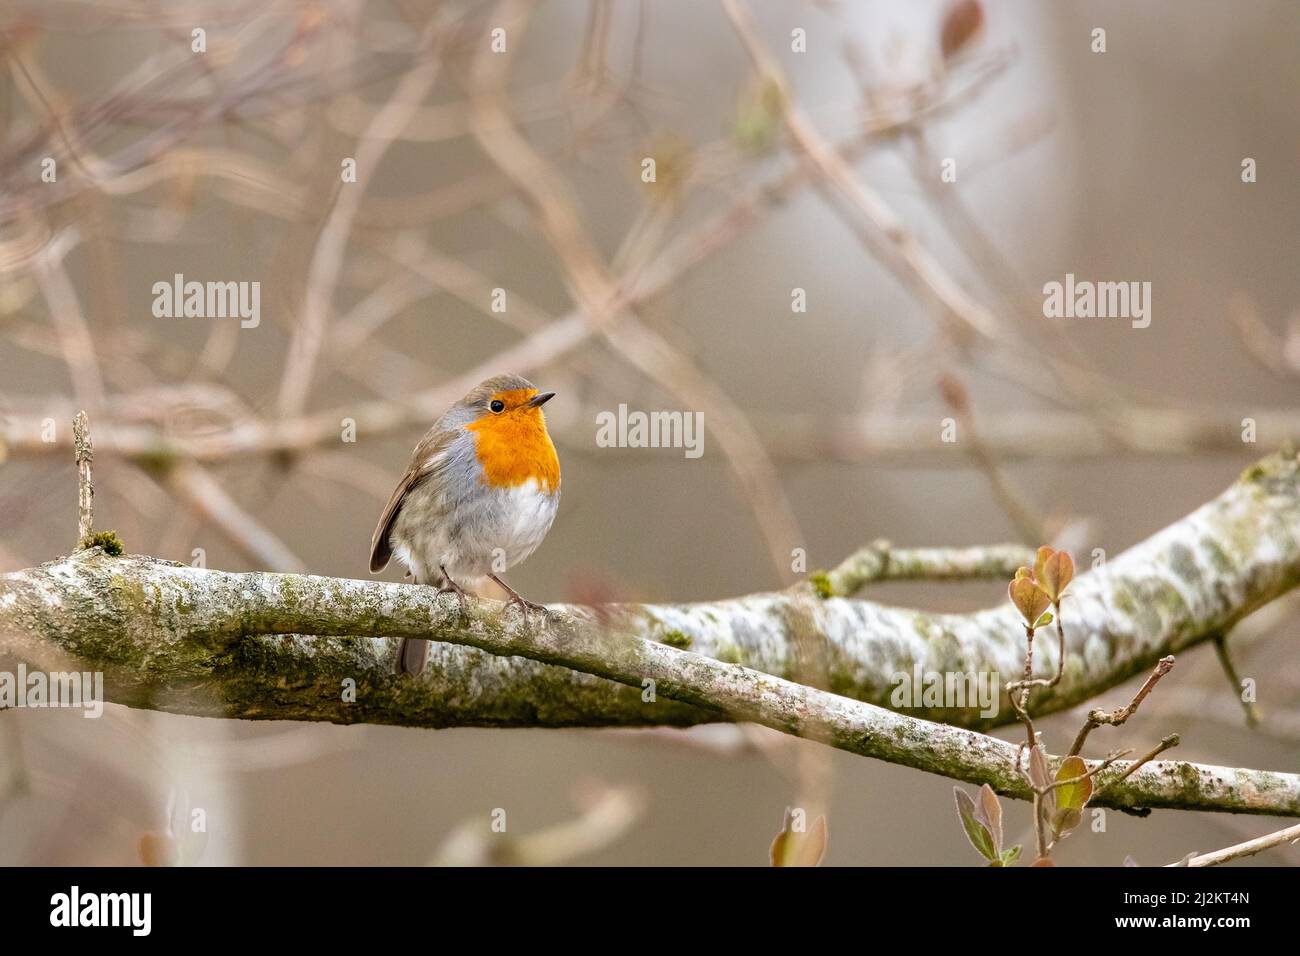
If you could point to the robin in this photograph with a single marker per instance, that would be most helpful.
(477, 498)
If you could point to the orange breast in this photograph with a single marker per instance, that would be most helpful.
(514, 448)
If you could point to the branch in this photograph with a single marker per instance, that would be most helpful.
(1134, 431)
(1249, 848)
(880, 561)
(184, 639)
(188, 640)
(1118, 718)
(84, 450)
(911, 260)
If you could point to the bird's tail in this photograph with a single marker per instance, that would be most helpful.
(413, 654)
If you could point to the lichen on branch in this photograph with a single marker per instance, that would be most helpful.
(284, 646)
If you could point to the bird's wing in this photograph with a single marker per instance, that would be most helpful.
(427, 460)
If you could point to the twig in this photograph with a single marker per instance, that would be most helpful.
(912, 261)
(607, 813)
(1097, 718)
(1167, 742)
(327, 259)
(904, 440)
(85, 452)
(602, 299)
(1196, 703)
(195, 487)
(1009, 496)
(1249, 708)
(1265, 346)
(1092, 772)
(69, 321)
(1238, 851)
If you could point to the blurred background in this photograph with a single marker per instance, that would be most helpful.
(923, 300)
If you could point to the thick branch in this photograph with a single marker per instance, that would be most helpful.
(189, 640)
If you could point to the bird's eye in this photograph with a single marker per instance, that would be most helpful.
(497, 406)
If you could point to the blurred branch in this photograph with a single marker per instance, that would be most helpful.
(1248, 707)
(195, 487)
(910, 260)
(1011, 498)
(1199, 704)
(1279, 355)
(1012, 436)
(1037, 434)
(1249, 848)
(607, 814)
(881, 561)
(188, 640)
(602, 299)
(331, 246)
(69, 321)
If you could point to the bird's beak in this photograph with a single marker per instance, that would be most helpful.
(537, 401)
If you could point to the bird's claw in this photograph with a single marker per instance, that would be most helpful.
(521, 602)
(525, 606)
(457, 590)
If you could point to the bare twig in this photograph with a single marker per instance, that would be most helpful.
(1009, 496)
(1240, 850)
(327, 259)
(77, 343)
(1097, 718)
(602, 299)
(607, 813)
(912, 261)
(85, 453)
(194, 486)
(1166, 742)
(902, 440)
(1265, 346)
(1249, 707)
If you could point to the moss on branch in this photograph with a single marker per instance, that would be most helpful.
(285, 646)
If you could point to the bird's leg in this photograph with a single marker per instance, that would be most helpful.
(451, 587)
(525, 605)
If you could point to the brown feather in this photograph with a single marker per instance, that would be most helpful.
(422, 465)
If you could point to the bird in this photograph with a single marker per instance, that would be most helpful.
(479, 495)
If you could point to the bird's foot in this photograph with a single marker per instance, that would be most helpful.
(451, 587)
(521, 602)
(526, 605)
